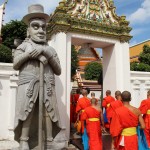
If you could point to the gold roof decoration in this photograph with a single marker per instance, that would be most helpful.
(95, 10)
(96, 17)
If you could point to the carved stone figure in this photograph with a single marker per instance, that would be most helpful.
(28, 57)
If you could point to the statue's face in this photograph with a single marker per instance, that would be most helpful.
(37, 30)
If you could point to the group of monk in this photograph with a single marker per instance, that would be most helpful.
(122, 120)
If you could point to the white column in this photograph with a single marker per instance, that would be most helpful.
(116, 67)
(13, 92)
(62, 44)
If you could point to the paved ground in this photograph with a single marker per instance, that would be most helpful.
(8, 145)
(75, 143)
(106, 142)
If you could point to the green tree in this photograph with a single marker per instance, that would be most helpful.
(13, 29)
(5, 54)
(144, 57)
(144, 61)
(93, 71)
(10, 31)
(136, 66)
(74, 61)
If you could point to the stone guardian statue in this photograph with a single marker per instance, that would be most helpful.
(38, 64)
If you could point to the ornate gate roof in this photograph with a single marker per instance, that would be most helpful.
(95, 17)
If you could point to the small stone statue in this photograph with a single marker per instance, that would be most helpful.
(28, 57)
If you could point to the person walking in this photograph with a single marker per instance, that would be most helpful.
(94, 124)
(124, 123)
(106, 104)
(145, 110)
(81, 105)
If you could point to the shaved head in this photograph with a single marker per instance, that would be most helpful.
(126, 96)
(84, 92)
(93, 101)
(118, 95)
(108, 92)
(92, 94)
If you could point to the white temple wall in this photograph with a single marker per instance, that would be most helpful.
(8, 87)
(140, 84)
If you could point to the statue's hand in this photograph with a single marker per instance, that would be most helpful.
(35, 53)
(47, 51)
(42, 59)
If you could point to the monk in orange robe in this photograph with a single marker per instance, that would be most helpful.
(113, 106)
(73, 102)
(106, 103)
(81, 105)
(93, 116)
(145, 110)
(124, 123)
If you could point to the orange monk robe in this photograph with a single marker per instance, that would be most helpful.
(113, 106)
(145, 110)
(122, 119)
(93, 128)
(106, 103)
(81, 105)
(73, 102)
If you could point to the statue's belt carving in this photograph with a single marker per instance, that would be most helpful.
(32, 79)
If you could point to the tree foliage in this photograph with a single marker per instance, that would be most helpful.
(13, 29)
(93, 71)
(74, 61)
(5, 54)
(136, 66)
(144, 57)
(144, 61)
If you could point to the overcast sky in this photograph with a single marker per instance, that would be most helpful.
(136, 11)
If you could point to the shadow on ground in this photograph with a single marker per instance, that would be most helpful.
(106, 142)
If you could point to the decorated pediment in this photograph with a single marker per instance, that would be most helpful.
(95, 10)
(96, 17)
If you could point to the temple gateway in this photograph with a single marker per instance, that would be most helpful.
(90, 21)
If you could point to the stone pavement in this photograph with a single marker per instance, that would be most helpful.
(75, 143)
(8, 145)
(13, 145)
(105, 137)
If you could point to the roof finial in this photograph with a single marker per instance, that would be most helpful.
(111, 2)
(62, 3)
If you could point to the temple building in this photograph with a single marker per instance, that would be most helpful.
(135, 50)
(87, 54)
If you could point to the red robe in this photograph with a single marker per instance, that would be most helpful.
(106, 103)
(73, 102)
(113, 106)
(81, 105)
(144, 107)
(93, 128)
(124, 118)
